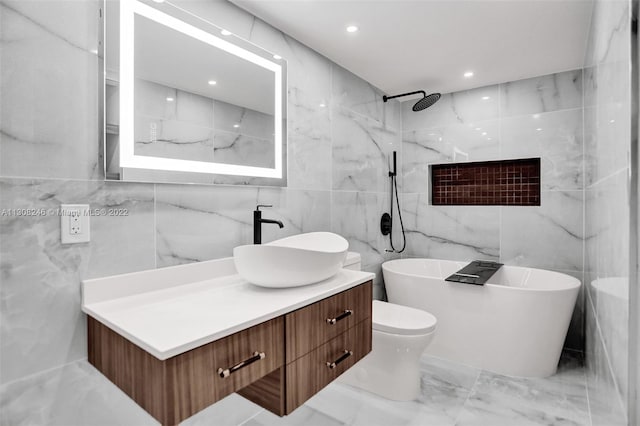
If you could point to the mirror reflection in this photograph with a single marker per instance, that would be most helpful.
(195, 110)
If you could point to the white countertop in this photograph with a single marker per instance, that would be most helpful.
(168, 319)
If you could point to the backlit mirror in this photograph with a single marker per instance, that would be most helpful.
(187, 101)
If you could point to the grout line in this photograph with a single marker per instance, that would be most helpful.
(42, 372)
(586, 385)
(625, 169)
(471, 390)
(252, 417)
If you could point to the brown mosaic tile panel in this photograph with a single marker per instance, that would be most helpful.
(487, 183)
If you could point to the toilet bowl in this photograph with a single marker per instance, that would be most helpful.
(400, 336)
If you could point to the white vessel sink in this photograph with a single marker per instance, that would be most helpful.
(293, 261)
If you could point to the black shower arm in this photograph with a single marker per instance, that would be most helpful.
(385, 98)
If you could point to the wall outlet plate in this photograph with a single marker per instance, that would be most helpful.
(74, 223)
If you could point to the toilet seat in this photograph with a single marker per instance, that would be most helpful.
(397, 319)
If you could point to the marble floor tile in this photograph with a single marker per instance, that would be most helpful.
(74, 395)
(501, 400)
(451, 394)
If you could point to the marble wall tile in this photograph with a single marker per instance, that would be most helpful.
(203, 223)
(360, 151)
(609, 149)
(556, 138)
(356, 216)
(456, 143)
(609, 33)
(42, 326)
(611, 235)
(464, 107)
(605, 403)
(299, 210)
(590, 135)
(542, 94)
(45, 132)
(549, 236)
(450, 232)
(354, 94)
(310, 161)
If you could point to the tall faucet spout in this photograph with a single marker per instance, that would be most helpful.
(257, 224)
(277, 222)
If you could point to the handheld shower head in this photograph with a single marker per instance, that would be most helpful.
(424, 103)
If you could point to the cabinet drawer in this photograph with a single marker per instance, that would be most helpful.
(309, 374)
(196, 376)
(311, 326)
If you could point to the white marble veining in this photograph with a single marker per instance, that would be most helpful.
(465, 107)
(452, 394)
(456, 143)
(41, 325)
(556, 138)
(607, 92)
(450, 232)
(361, 150)
(201, 223)
(542, 94)
(45, 132)
(557, 222)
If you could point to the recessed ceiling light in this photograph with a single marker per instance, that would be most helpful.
(212, 82)
(277, 57)
(536, 115)
(225, 32)
(478, 128)
(468, 74)
(484, 133)
(169, 99)
(322, 105)
(352, 29)
(486, 98)
(236, 125)
(488, 139)
(612, 121)
(539, 129)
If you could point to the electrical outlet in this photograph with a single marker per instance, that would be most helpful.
(74, 223)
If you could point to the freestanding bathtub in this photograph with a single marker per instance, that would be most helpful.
(515, 324)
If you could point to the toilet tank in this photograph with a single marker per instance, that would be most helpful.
(352, 261)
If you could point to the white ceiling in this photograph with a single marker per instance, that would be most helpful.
(428, 44)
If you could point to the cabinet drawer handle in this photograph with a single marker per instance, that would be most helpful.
(224, 373)
(344, 356)
(343, 315)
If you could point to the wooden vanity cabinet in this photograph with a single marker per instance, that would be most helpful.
(286, 360)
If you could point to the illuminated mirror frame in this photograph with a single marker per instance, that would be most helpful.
(128, 159)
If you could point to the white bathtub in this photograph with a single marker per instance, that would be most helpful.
(515, 324)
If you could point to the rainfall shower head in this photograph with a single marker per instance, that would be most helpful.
(425, 102)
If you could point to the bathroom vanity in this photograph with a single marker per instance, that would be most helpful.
(178, 339)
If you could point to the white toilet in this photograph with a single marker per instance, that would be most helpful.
(400, 336)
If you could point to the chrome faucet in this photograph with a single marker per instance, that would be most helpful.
(258, 221)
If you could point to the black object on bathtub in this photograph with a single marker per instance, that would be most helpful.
(477, 272)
